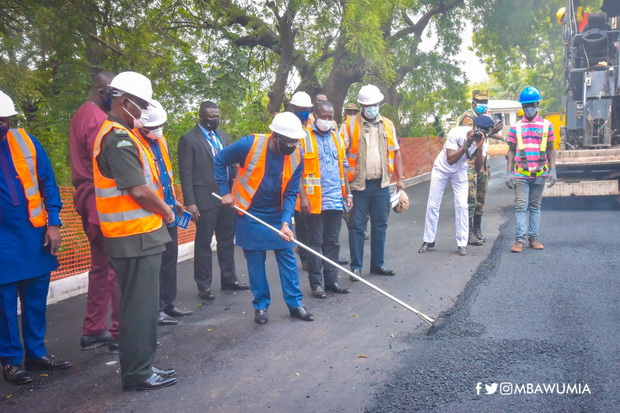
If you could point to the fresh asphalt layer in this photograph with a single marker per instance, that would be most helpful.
(537, 317)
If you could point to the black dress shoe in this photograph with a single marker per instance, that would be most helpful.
(337, 288)
(115, 346)
(462, 251)
(156, 381)
(319, 292)
(164, 372)
(15, 374)
(177, 312)
(426, 246)
(91, 342)
(236, 286)
(344, 261)
(206, 294)
(381, 270)
(302, 314)
(260, 316)
(356, 272)
(47, 363)
(166, 320)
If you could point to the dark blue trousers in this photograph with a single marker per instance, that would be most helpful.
(374, 201)
(289, 277)
(32, 294)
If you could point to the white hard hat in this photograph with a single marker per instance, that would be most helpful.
(369, 95)
(301, 99)
(157, 115)
(134, 84)
(7, 107)
(287, 124)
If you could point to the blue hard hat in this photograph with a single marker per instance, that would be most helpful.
(529, 95)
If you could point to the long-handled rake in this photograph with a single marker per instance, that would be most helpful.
(427, 319)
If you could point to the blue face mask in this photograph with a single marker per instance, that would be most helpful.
(480, 108)
(530, 112)
(371, 112)
(302, 115)
(3, 131)
(106, 99)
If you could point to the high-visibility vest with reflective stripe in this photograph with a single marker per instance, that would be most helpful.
(353, 125)
(24, 156)
(119, 214)
(250, 175)
(163, 147)
(542, 166)
(311, 178)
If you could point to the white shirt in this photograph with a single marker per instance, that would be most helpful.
(457, 137)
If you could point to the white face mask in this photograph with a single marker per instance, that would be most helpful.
(156, 133)
(324, 125)
(138, 123)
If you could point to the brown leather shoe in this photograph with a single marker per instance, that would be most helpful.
(518, 247)
(536, 245)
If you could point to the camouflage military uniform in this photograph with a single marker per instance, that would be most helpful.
(478, 182)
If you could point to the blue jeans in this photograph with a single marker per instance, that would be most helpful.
(528, 197)
(375, 201)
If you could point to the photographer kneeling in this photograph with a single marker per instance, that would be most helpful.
(451, 166)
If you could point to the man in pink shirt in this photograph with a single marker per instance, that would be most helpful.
(102, 286)
(531, 163)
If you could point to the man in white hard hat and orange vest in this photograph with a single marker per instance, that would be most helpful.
(323, 197)
(30, 236)
(133, 218)
(152, 136)
(301, 105)
(374, 156)
(267, 185)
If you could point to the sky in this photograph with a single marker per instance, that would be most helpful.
(472, 67)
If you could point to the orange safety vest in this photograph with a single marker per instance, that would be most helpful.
(250, 175)
(163, 147)
(119, 214)
(311, 178)
(24, 156)
(353, 124)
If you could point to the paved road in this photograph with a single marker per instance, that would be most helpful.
(366, 353)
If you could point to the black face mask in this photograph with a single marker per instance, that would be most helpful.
(283, 148)
(210, 124)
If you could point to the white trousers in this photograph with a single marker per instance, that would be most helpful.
(460, 187)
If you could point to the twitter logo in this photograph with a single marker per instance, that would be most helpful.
(490, 389)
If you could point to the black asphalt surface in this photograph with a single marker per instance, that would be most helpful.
(538, 317)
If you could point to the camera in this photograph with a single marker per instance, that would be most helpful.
(478, 135)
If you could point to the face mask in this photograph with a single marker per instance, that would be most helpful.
(211, 124)
(323, 125)
(302, 115)
(138, 123)
(156, 133)
(3, 131)
(284, 148)
(480, 109)
(371, 112)
(530, 112)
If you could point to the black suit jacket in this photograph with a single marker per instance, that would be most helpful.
(195, 160)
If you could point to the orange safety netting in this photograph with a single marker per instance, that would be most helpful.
(417, 154)
(74, 253)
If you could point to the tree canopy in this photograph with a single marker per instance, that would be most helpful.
(250, 56)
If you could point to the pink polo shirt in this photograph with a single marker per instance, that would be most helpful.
(531, 132)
